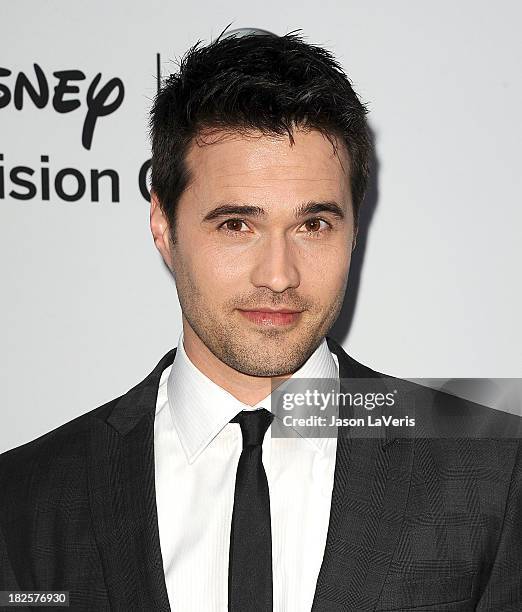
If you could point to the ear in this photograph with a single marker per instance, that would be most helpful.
(160, 229)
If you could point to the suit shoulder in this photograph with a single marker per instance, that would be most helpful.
(445, 421)
(64, 444)
(62, 451)
(57, 439)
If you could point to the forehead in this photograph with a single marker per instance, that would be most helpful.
(237, 165)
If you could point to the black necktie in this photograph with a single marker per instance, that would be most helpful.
(250, 559)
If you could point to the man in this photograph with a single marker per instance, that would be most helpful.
(158, 500)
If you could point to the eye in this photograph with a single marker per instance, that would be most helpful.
(233, 225)
(313, 226)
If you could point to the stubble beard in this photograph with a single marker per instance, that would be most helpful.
(262, 351)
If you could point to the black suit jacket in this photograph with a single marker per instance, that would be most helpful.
(420, 524)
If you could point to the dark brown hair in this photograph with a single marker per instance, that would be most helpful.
(254, 82)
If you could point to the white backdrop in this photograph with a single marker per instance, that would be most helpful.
(87, 307)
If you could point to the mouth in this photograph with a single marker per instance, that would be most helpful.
(272, 317)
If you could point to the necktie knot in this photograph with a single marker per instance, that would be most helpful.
(254, 424)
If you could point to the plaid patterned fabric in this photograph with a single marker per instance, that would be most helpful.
(420, 524)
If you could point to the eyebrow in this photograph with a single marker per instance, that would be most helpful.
(248, 210)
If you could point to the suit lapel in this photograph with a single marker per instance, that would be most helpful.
(123, 500)
(371, 483)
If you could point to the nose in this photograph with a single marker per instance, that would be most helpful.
(275, 265)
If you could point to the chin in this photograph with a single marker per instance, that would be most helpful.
(266, 371)
(267, 361)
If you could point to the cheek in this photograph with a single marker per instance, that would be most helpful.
(325, 267)
(215, 269)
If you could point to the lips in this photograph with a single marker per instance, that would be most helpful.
(280, 317)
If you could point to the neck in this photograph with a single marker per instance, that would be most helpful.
(247, 389)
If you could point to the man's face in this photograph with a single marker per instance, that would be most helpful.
(263, 225)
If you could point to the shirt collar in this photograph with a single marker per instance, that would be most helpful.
(200, 408)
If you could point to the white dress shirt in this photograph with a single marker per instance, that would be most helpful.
(196, 452)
